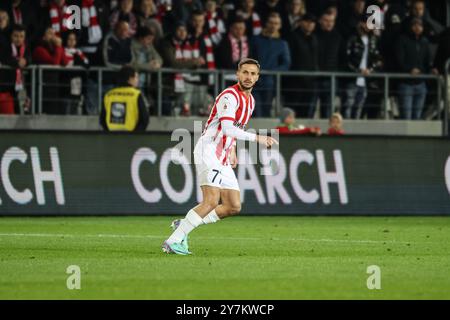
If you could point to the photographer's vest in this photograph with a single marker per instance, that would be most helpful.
(122, 108)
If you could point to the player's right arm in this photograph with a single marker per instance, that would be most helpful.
(226, 111)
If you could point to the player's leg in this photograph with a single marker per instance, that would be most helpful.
(231, 203)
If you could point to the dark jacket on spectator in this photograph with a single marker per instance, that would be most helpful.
(272, 54)
(8, 77)
(264, 9)
(355, 51)
(116, 52)
(412, 52)
(443, 51)
(304, 51)
(329, 44)
(224, 55)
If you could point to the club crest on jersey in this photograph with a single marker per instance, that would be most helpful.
(239, 125)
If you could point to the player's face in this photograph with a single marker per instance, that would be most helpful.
(247, 76)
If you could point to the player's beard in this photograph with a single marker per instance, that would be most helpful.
(244, 87)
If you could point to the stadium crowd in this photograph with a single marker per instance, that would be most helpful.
(297, 35)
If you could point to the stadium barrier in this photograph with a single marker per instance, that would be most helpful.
(80, 173)
(53, 84)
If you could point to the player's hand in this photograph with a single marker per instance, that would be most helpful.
(266, 140)
(233, 158)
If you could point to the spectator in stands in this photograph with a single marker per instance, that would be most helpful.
(124, 13)
(183, 9)
(58, 16)
(329, 44)
(234, 47)
(431, 28)
(443, 51)
(215, 21)
(292, 16)
(93, 28)
(303, 44)
(22, 13)
(16, 55)
(349, 21)
(363, 57)
(287, 124)
(50, 51)
(145, 57)
(5, 29)
(413, 56)
(201, 47)
(266, 7)
(273, 54)
(117, 46)
(176, 52)
(336, 125)
(74, 80)
(252, 19)
(148, 17)
(124, 107)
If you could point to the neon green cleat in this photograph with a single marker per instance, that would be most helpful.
(177, 248)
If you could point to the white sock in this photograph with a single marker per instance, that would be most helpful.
(211, 217)
(189, 223)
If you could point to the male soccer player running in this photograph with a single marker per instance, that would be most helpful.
(215, 156)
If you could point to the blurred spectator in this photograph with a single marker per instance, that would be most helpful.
(363, 57)
(124, 107)
(117, 46)
(201, 48)
(50, 51)
(74, 80)
(215, 21)
(273, 54)
(292, 16)
(431, 28)
(329, 44)
(124, 13)
(443, 51)
(182, 9)
(252, 19)
(91, 33)
(304, 50)
(287, 124)
(59, 16)
(336, 125)
(145, 57)
(349, 20)
(16, 55)
(176, 52)
(413, 56)
(148, 17)
(234, 47)
(22, 13)
(389, 37)
(266, 7)
(5, 29)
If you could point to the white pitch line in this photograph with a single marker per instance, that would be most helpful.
(60, 235)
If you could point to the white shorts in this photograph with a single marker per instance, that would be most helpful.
(210, 172)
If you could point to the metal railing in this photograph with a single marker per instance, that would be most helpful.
(446, 98)
(38, 84)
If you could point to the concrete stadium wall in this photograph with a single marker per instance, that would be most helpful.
(168, 124)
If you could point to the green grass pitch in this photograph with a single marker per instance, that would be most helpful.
(238, 258)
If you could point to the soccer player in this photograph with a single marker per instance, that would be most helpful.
(215, 157)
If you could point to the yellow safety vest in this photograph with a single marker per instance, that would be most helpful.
(122, 108)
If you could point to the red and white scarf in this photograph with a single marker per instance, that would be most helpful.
(256, 23)
(89, 20)
(70, 54)
(216, 27)
(18, 54)
(236, 54)
(183, 51)
(59, 17)
(17, 15)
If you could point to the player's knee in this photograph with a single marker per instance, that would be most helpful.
(210, 204)
(234, 208)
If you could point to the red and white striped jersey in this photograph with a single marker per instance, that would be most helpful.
(231, 104)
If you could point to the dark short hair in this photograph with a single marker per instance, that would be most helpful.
(144, 31)
(18, 28)
(248, 61)
(237, 19)
(197, 12)
(126, 73)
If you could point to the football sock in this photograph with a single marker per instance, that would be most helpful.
(211, 217)
(189, 223)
